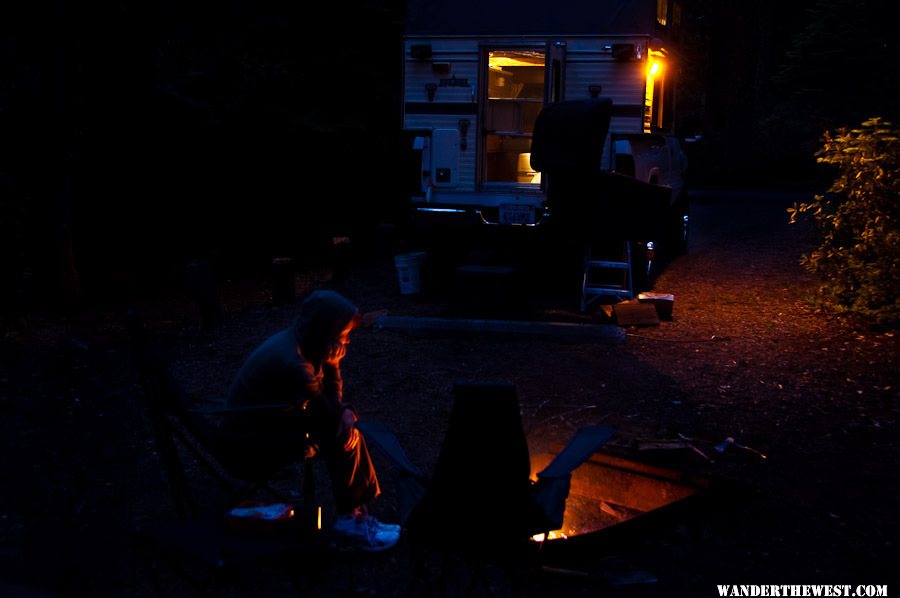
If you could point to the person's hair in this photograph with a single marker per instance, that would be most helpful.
(323, 315)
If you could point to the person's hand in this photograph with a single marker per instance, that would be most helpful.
(336, 353)
(347, 429)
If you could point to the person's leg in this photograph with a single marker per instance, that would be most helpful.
(354, 484)
(352, 473)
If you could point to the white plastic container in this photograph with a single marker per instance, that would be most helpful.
(409, 271)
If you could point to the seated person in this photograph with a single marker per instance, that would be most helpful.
(300, 368)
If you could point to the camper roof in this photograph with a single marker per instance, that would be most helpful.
(529, 17)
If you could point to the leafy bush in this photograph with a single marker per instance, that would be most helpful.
(859, 222)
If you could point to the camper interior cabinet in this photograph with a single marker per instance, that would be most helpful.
(515, 96)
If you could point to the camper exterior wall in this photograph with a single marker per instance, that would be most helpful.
(589, 63)
(442, 90)
(461, 57)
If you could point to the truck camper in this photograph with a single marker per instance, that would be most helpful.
(478, 76)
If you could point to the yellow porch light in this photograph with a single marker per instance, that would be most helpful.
(655, 63)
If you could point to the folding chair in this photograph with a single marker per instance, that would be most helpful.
(198, 543)
(479, 507)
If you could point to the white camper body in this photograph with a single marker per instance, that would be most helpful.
(470, 101)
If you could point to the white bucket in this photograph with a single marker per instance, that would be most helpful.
(409, 271)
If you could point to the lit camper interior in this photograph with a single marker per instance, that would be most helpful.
(515, 97)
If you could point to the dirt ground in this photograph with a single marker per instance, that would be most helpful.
(744, 356)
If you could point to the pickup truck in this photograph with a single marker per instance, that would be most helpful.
(658, 160)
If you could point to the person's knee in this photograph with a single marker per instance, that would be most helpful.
(352, 441)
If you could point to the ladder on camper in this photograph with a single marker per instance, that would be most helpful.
(607, 272)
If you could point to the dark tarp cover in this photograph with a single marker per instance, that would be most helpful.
(570, 135)
(529, 17)
(568, 146)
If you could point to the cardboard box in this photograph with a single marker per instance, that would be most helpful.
(662, 301)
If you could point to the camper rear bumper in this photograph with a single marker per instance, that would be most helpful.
(478, 216)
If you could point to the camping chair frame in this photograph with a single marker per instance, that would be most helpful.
(197, 545)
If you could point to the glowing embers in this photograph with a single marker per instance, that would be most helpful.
(608, 490)
(554, 535)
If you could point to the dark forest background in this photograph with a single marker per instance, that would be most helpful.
(138, 136)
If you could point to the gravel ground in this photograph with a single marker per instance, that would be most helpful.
(745, 356)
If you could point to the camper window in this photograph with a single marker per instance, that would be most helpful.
(515, 96)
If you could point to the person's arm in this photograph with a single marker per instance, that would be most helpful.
(332, 386)
(347, 427)
(325, 388)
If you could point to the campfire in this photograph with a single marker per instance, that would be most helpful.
(607, 490)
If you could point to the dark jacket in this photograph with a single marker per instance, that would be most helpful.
(288, 368)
